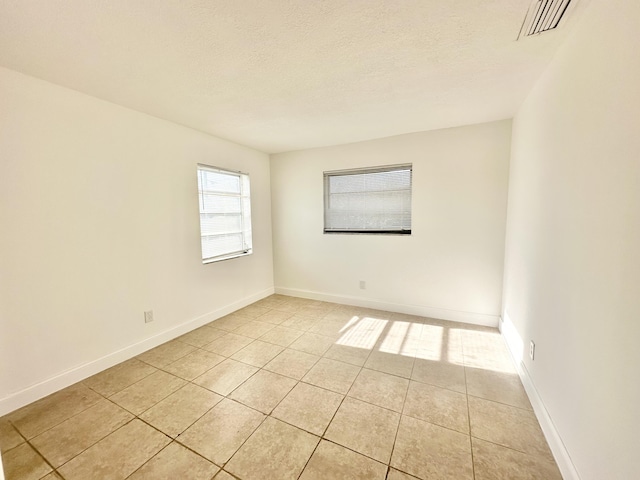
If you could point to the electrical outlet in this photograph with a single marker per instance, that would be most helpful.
(532, 350)
(363, 285)
(148, 316)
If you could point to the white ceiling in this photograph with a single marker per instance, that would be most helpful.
(281, 75)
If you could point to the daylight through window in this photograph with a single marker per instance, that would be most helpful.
(225, 213)
(369, 200)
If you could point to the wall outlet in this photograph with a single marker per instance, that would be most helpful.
(363, 285)
(532, 349)
(148, 316)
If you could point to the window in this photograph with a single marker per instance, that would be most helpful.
(369, 200)
(225, 213)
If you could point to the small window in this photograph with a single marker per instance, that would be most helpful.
(369, 200)
(225, 213)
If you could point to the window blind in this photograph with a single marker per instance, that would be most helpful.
(225, 213)
(371, 200)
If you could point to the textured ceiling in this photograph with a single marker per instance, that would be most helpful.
(282, 75)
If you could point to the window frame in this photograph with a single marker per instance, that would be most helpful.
(244, 197)
(360, 171)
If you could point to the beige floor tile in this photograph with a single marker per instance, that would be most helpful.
(363, 332)
(24, 463)
(316, 310)
(508, 426)
(497, 386)
(308, 351)
(375, 313)
(379, 388)
(119, 377)
(257, 353)
(292, 363)
(300, 322)
(308, 407)
(332, 375)
(228, 345)
(269, 302)
(282, 336)
(252, 311)
(400, 338)
(118, 455)
(344, 353)
(166, 353)
(9, 436)
(434, 344)
(407, 317)
(263, 391)
(275, 317)
(338, 463)
(399, 365)
(201, 336)
(493, 462)
(147, 392)
(365, 428)
(222, 475)
(330, 328)
(221, 431)
(288, 307)
(494, 361)
(254, 329)
(429, 451)
(66, 440)
(52, 476)
(342, 314)
(229, 322)
(49, 411)
(226, 376)
(181, 409)
(194, 364)
(485, 348)
(175, 461)
(275, 450)
(312, 343)
(398, 475)
(437, 405)
(440, 374)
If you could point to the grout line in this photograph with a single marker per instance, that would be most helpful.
(464, 369)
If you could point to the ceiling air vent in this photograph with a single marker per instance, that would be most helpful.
(543, 15)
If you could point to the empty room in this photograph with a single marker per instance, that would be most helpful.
(319, 239)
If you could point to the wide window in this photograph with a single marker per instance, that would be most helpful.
(369, 200)
(225, 213)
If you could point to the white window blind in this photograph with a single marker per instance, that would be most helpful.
(370, 200)
(225, 213)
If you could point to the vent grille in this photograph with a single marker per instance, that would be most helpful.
(543, 15)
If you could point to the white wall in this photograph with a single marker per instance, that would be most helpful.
(450, 267)
(99, 222)
(572, 267)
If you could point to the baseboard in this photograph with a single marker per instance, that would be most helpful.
(557, 446)
(421, 310)
(42, 389)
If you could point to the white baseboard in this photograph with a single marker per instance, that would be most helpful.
(42, 389)
(557, 446)
(421, 310)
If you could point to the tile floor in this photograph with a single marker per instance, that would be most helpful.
(290, 388)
